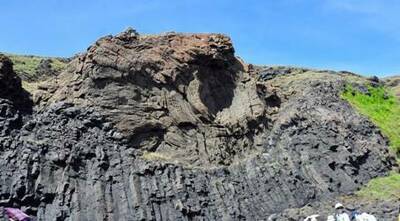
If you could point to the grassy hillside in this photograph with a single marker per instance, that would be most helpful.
(382, 188)
(383, 108)
(29, 67)
(33, 69)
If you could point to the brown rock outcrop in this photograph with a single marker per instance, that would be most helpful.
(185, 96)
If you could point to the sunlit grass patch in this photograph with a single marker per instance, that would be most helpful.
(27, 65)
(382, 107)
(382, 188)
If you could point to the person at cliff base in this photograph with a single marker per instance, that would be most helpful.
(330, 218)
(312, 218)
(14, 214)
(340, 214)
(356, 216)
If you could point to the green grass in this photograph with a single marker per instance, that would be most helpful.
(31, 87)
(383, 109)
(28, 64)
(382, 188)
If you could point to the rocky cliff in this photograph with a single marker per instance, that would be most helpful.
(175, 127)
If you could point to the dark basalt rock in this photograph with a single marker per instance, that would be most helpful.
(9, 82)
(174, 127)
(45, 69)
(10, 86)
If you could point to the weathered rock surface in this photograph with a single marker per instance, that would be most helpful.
(10, 86)
(185, 96)
(175, 127)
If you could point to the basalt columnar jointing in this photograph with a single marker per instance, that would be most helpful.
(175, 127)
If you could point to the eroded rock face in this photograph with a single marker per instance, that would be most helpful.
(175, 127)
(14, 101)
(185, 96)
(10, 86)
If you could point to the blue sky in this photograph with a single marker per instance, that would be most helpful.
(357, 35)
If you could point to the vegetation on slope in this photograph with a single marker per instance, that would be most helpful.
(383, 108)
(382, 188)
(27, 67)
(32, 69)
